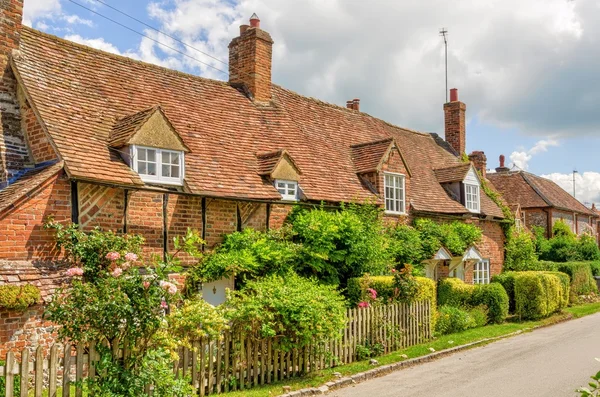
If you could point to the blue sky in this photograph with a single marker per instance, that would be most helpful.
(527, 70)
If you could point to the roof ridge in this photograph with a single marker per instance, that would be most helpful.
(92, 50)
(359, 145)
(453, 166)
(535, 189)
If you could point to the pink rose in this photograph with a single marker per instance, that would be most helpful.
(131, 257)
(75, 271)
(164, 304)
(169, 287)
(393, 270)
(125, 265)
(117, 272)
(372, 292)
(363, 305)
(113, 256)
(146, 284)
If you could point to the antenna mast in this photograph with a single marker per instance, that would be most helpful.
(444, 34)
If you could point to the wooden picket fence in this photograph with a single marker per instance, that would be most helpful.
(232, 362)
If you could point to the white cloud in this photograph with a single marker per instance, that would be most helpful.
(34, 9)
(522, 158)
(587, 185)
(98, 43)
(76, 19)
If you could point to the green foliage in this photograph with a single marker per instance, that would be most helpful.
(456, 236)
(594, 387)
(89, 249)
(595, 266)
(452, 319)
(580, 274)
(338, 245)
(507, 280)
(247, 255)
(385, 286)
(538, 294)
(369, 349)
(520, 251)
(296, 310)
(542, 245)
(494, 297)
(565, 246)
(454, 292)
(406, 286)
(196, 319)
(406, 245)
(18, 297)
(112, 303)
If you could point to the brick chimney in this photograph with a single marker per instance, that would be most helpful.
(454, 120)
(14, 154)
(353, 104)
(479, 161)
(502, 168)
(250, 56)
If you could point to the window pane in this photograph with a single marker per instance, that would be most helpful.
(151, 155)
(141, 154)
(175, 171)
(166, 158)
(151, 169)
(142, 169)
(166, 170)
(175, 158)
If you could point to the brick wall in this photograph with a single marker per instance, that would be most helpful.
(145, 217)
(101, 206)
(491, 247)
(183, 212)
(279, 213)
(22, 234)
(25, 329)
(221, 219)
(454, 120)
(254, 215)
(536, 217)
(566, 217)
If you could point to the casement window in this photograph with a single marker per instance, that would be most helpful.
(481, 272)
(394, 189)
(472, 198)
(287, 189)
(158, 165)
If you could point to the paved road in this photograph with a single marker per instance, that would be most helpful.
(552, 361)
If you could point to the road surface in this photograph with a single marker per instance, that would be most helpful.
(551, 361)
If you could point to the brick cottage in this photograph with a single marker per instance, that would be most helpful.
(102, 140)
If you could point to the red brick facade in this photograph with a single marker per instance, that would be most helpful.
(455, 125)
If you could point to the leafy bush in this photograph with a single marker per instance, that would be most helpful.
(452, 319)
(338, 245)
(299, 311)
(456, 236)
(580, 273)
(406, 245)
(196, 319)
(507, 280)
(538, 294)
(369, 349)
(454, 292)
(385, 286)
(112, 303)
(494, 297)
(587, 248)
(519, 251)
(18, 297)
(595, 266)
(565, 246)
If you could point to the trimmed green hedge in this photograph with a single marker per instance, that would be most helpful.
(580, 273)
(384, 285)
(454, 292)
(507, 280)
(539, 294)
(18, 297)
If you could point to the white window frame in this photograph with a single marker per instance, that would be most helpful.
(473, 199)
(285, 195)
(159, 178)
(395, 201)
(481, 272)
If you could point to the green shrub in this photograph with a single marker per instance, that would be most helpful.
(299, 311)
(587, 248)
(595, 266)
(565, 246)
(406, 245)
(18, 297)
(452, 319)
(456, 236)
(454, 292)
(519, 251)
(495, 298)
(565, 282)
(385, 287)
(480, 315)
(538, 294)
(580, 273)
(507, 280)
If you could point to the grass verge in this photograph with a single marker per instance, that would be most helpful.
(319, 378)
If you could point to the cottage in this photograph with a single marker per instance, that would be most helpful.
(103, 140)
(541, 202)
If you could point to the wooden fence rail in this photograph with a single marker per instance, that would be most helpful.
(233, 362)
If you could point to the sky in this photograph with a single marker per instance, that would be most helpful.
(527, 69)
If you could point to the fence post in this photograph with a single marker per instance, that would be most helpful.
(8, 374)
(66, 392)
(24, 372)
(39, 371)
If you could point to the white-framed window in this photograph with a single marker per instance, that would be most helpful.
(158, 165)
(472, 197)
(481, 272)
(287, 189)
(394, 193)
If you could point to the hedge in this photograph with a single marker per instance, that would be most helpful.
(580, 273)
(18, 297)
(507, 280)
(538, 294)
(454, 292)
(384, 285)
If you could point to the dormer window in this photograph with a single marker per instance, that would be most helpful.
(158, 165)
(287, 189)
(394, 193)
(472, 198)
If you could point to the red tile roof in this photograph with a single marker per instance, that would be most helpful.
(368, 156)
(268, 161)
(80, 93)
(126, 127)
(532, 191)
(27, 183)
(455, 173)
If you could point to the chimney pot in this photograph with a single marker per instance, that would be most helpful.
(502, 168)
(453, 94)
(350, 104)
(356, 104)
(502, 158)
(254, 21)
